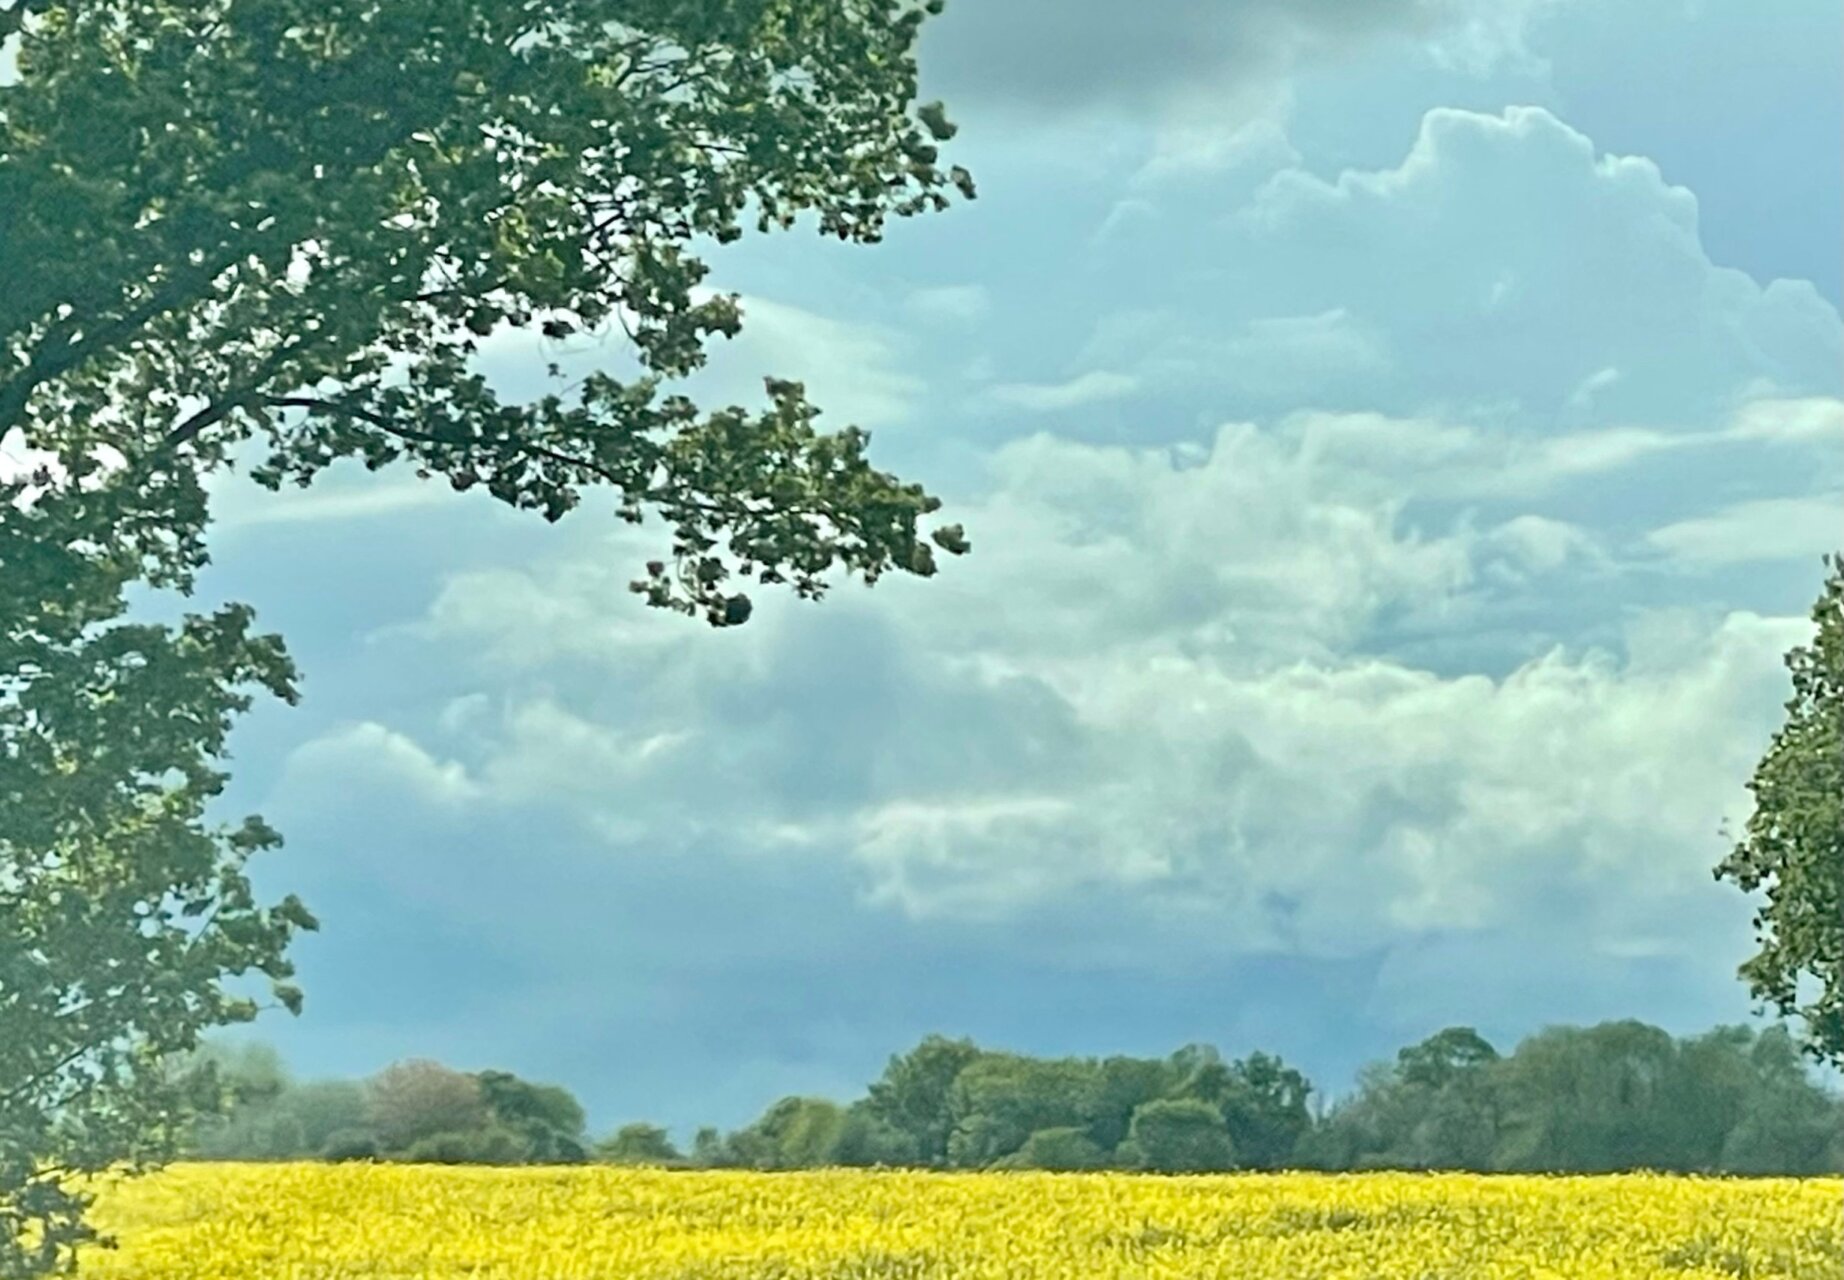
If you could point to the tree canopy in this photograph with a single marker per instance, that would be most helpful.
(1793, 846)
(297, 220)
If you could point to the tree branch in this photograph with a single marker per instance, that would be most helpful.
(46, 365)
(222, 408)
(13, 19)
(316, 404)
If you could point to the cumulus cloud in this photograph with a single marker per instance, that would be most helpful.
(1148, 686)
(1503, 273)
(1510, 266)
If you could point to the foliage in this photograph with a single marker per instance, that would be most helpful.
(1445, 1058)
(655, 1224)
(1794, 841)
(546, 1117)
(1122, 1083)
(1784, 1125)
(325, 1108)
(1588, 1100)
(350, 1144)
(126, 913)
(866, 1139)
(638, 1144)
(1617, 1096)
(708, 1147)
(1066, 1149)
(417, 1099)
(913, 1096)
(296, 220)
(1001, 1099)
(489, 1144)
(1178, 1135)
(794, 1133)
(1262, 1102)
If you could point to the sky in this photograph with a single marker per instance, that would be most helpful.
(1398, 439)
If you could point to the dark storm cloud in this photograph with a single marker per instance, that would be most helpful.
(1062, 55)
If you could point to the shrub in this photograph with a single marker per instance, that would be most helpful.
(492, 1145)
(350, 1144)
(1065, 1149)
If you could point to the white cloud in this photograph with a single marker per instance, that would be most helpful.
(1762, 529)
(367, 755)
(1187, 621)
(1814, 420)
(1540, 545)
(1518, 276)
(1204, 139)
(1089, 388)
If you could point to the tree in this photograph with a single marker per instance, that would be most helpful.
(1261, 1099)
(124, 912)
(350, 1144)
(794, 1133)
(866, 1139)
(1444, 1057)
(1708, 1091)
(913, 1096)
(325, 1108)
(708, 1147)
(253, 1118)
(417, 1099)
(1121, 1084)
(1785, 1124)
(1000, 1100)
(1447, 1111)
(1178, 1135)
(1794, 840)
(310, 212)
(292, 222)
(1589, 1100)
(547, 1117)
(638, 1144)
(491, 1143)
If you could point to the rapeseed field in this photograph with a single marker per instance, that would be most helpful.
(360, 1222)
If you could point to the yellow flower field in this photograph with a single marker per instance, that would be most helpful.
(343, 1222)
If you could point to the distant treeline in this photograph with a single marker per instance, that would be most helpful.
(1617, 1096)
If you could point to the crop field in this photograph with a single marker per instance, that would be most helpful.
(344, 1222)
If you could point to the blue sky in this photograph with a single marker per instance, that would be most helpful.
(1398, 439)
